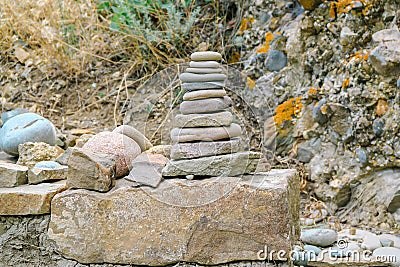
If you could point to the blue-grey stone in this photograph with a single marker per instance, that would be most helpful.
(319, 237)
(276, 60)
(362, 156)
(5, 116)
(47, 165)
(27, 127)
(304, 155)
(317, 115)
(398, 82)
(312, 248)
(378, 127)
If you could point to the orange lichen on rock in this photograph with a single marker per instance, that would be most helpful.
(250, 83)
(359, 56)
(264, 48)
(382, 107)
(245, 24)
(345, 6)
(288, 110)
(346, 83)
(312, 91)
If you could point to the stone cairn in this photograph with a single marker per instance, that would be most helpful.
(206, 140)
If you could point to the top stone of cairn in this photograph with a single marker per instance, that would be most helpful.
(206, 55)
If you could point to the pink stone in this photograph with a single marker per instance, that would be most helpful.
(123, 148)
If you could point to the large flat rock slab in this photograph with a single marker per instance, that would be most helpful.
(29, 199)
(210, 221)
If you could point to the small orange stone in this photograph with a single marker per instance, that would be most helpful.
(382, 107)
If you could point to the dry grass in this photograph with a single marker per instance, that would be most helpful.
(52, 52)
(65, 35)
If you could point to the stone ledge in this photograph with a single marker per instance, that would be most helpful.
(29, 199)
(211, 221)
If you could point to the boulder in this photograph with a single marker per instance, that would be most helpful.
(26, 127)
(118, 146)
(211, 221)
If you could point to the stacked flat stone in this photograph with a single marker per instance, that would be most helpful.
(204, 132)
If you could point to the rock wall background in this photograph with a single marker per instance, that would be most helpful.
(336, 97)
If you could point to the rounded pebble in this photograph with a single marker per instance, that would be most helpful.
(319, 237)
(276, 60)
(206, 55)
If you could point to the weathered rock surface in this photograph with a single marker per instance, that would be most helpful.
(200, 94)
(29, 199)
(205, 105)
(134, 134)
(205, 133)
(123, 148)
(386, 58)
(195, 78)
(203, 149)
(220, 165)
(90, 170)
(386, 35)
(217, 119)
(32, 153)
(206, 55)
(172, 223)
(26, 127)
(12, 174)
(146, 169)
(39, 174)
